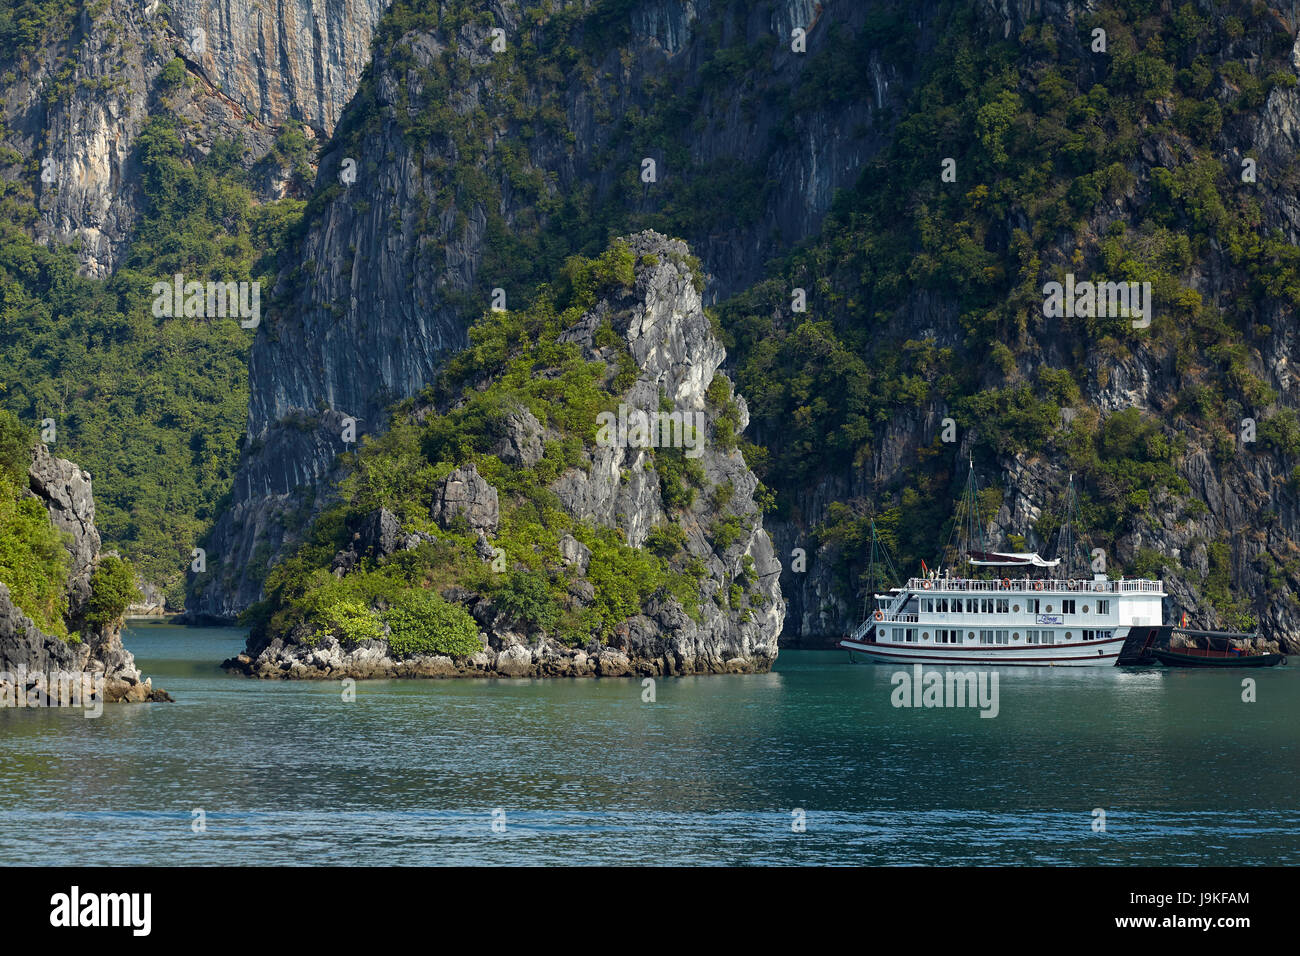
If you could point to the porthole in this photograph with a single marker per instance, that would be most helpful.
(881, 632)
(1049, 609)
(1015, 637)
(1067, 635)
(970, 636)
(925, 635)
(1016, 608)
(1085, 609)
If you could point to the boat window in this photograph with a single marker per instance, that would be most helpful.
(1031, 637)
(986, 605)
(986, 637)
(1003, 606)
(1032, 605)
(1067, 607)
(1103, 607)
(1048, 637)
(1000, 637)
(972, 605)
(898, 634)
(910, 635)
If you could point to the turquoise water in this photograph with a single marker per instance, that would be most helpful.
(711, 772)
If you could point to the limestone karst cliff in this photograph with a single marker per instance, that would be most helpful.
(31, 655)
(474, 170)
(560, 550)
(78, 101)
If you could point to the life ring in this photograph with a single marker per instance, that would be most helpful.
(1038, 585)
(1099, 587)
(880, 615)
(1006, 584)
(926, 585)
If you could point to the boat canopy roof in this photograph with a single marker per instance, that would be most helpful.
(1017, 559)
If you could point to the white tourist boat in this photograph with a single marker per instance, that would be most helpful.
(1026, 613)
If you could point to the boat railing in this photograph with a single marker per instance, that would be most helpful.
(1036, 584)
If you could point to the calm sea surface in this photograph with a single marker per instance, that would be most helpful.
(715, 771)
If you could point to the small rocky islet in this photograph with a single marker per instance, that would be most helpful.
(646, 513)
(90, 645)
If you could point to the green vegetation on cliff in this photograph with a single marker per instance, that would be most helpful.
(33, 560)
(153, 407)
(1049, 140)
(515, 363)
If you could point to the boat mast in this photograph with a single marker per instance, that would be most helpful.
(972, 528)
(886, 567)
(1066, 539)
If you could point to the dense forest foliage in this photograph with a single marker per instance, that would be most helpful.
(153, 407)
(33, 561)
(1052, 142)
(1047, 140)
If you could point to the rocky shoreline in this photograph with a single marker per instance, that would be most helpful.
(546, 658)
(666, 645)
(31, 660)
(727, 624)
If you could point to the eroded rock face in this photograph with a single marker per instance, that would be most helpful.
(397, 272)
(734, 625)
(66, 493)
(254, 66)
(300, 59)
(465, 494)
(521, 439)
(65, 490)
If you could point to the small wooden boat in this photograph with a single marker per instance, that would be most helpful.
(1204, 657)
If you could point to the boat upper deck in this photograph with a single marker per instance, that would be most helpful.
(1037, 585)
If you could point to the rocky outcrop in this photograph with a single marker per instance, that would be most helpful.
(734, 624)
(381, 265)
(78, 105)
(153, 603)
(65, 490)
(300, 59)
(465, 496)
(521, 439)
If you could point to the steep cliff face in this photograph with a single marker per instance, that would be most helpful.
(65, 491)
(676, 525)
(459, 170)
(77, 104)
(298, 60)
(1161, 423)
